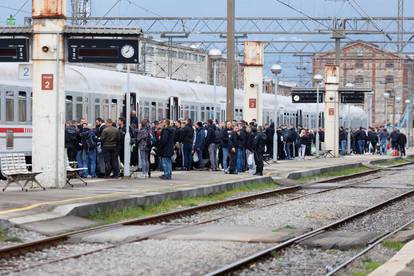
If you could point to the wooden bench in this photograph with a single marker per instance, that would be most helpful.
(325, 154)
(15, 169)
(73, 173)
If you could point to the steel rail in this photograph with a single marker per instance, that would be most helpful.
(367, 249)
(268, 252)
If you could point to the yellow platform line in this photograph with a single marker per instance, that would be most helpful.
(33, 206)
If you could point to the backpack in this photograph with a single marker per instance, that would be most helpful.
(90, 141)
(71, 136)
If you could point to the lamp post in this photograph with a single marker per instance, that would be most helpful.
(276, 69)
(318, 79)
(215, 55)
(348, 138)
(396, 111)
(369, 107)
(127, 151)
(386, 96)
(409, 122)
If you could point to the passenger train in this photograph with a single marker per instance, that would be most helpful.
(94, 92)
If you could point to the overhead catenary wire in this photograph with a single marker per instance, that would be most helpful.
(21, 8)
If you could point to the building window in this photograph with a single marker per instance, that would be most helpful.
(181, 55)
(359, 79)
(389, 64)
(359, 64)
(202, 58)
(389, 79)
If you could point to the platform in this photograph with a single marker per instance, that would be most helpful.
(23, 207)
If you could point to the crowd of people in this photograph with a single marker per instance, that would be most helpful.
(232, 146)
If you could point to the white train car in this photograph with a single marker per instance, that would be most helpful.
(92, 93)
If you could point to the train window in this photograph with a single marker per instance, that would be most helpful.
(203, 114)
(153, 109)
(97, 108)
(9, 106)
(160, 111)
(114, 113)
(146, 110)
(186, 112)
(105, 109)
(69, 108)
(22, 106)
(78, 108)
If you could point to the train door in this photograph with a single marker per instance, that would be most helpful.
(173, 109)
(133, 104)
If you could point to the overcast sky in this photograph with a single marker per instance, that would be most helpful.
(218, 7)
(259, 8)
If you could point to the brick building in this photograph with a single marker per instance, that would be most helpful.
(366, 65)
(222, 73)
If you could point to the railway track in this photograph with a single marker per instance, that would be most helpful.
(270, 252)
(22, 249)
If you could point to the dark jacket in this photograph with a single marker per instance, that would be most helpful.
(373, 137)
(342, 135)
(166, 144)
(250, 137)
(200, 139)
(211, 135)
(394, 136)
(259, 143)
(270, 132)
(71, 137)
(187, 134)
(402, 139)
(225, 137)
(360, 135)
(110, 137)
(178, 135)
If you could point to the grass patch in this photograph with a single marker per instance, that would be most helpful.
(327, 175)
(171, 204)
(393, 245)
(368, 266)
(391, 162)
(6, 238)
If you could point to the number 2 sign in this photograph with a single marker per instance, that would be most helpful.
(47, 81)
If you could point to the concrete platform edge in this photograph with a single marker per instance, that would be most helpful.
(312, 172)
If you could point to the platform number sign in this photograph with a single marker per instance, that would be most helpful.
(25, 71)
(47, 82)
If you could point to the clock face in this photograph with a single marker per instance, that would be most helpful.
(296, 98)
(127, 51)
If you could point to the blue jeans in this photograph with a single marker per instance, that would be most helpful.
(80, 157)
(288, 147)
(343, 147)
(167, 166)
(187, 149)
(361, 146)
(226, 156)
(91, 161)
(383, 147)
(240, 160)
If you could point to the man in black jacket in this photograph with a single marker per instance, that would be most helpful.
(166, 149)
(187, 138)
(402, 141)
(211, 144)
(259, 144)
(270, 132)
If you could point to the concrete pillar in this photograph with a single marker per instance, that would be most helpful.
(48, 154)
(332, 109)
(253, 81)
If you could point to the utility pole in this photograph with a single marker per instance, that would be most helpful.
(48, 92)
(400, 26)
(230, 59)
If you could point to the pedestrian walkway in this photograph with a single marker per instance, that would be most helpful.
(15, 204)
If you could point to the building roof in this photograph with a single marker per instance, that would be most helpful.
(371, 46)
